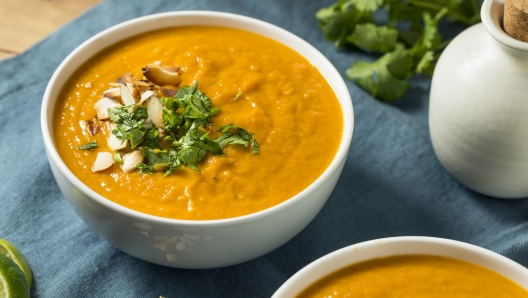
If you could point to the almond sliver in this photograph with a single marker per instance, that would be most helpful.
(146, 95)
(115, 143)
(154, 111)
(130, 160)
(126, 96)
(112, 93)
(103, 162)
(102, 106)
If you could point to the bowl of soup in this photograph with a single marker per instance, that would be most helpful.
(196, 139)
(409, 267)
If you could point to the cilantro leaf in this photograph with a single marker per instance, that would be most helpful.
(174, 163)
(135, 136)
(429, 41)
(151, 139)
(170, 103)
(191, 156)
(467, 11)
(117, 158)
(206, 143)
(372, 38)
(255, 146)
(145, 169)
(241, 136)
(229, 138)
(195, 146)
(383, 78)
(156, 156)
(339, 20)
(367, 5)
(238, 95)
(426, 62)
(170, 120)
(88, 146)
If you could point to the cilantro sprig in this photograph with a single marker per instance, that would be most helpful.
(185, 141)
(410, 39)
(88, 146)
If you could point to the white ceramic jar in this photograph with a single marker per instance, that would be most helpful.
(478, 113)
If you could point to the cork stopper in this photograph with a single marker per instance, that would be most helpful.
(516, 19)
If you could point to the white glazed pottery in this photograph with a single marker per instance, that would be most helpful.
(186, 243)
(401, 246)
(478, 113)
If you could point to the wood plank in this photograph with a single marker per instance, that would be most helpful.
(25, 22)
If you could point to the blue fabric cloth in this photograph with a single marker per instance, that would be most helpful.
(392, 184)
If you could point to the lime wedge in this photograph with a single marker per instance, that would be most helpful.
(10, 251)
(13, 283)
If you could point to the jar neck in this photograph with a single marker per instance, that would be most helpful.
(492, 14)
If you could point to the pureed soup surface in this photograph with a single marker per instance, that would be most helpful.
(284, 101)
(413, 276)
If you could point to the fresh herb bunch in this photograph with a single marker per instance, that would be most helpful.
(185, 117)
(409, 40)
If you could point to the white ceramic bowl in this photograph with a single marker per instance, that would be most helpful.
(208, 243)
(400, 246)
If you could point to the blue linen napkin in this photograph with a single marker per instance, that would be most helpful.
(392, 183)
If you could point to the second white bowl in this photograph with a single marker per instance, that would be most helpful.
(401, 246)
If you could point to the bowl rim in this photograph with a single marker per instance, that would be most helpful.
(345, 253)
(338, 83)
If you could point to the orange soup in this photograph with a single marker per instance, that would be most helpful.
(413, 276)
(259, 84)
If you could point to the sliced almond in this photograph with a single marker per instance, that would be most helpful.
(103, 162)
(89, 126)
(154, 111)
(112, 93)
(126, 96)
(102, 107)
(139, 83)
(124, 78)
(115, 143)
(162, 75)
(130, 160)
(136, 93)
(146, 95)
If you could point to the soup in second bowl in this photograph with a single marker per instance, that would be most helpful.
(414, 276)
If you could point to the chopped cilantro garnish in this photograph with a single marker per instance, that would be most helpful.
(145, 169)
(117, 158)
(255, 146)
(184, 139)
(238, 95)
(88, 146)
(241, 136)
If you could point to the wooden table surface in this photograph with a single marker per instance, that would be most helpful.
(25, 22)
